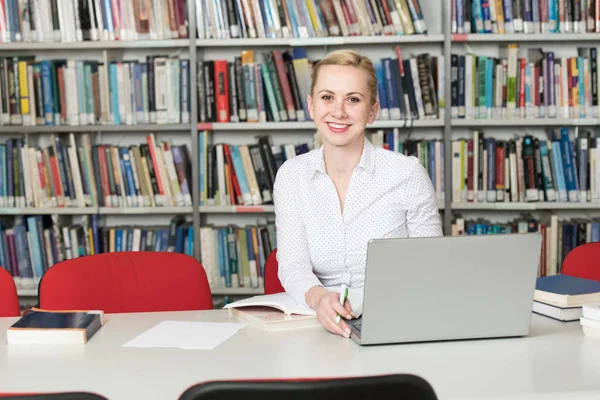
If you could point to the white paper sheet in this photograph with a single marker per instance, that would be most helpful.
(189, 335)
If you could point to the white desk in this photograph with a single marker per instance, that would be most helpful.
(555, 362)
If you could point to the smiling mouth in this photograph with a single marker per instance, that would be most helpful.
(337, 126)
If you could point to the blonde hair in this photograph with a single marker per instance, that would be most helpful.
(348, 58)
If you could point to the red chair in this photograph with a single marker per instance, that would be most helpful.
(382, 387)
(9, 300)
(272, 282)
(122, 282)
(583, 262)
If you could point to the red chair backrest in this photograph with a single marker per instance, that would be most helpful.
(272, 282)
(583, 262)
(9, 300)
(122, 282)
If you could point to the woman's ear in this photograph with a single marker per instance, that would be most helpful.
(374, 111)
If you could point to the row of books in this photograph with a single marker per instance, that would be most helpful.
(244, 174)
(85, 20)
(275, 88)
(78, 92)
(308, 18)
(248, 90)
(241, 175)
(29, 246)
(558, 236)
(525, 16)
(410, 88)
(128, 20)
(67, 174)
(235, 256)
(527, 169)
(533, 85)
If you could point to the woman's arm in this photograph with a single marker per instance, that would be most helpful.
(295, 268)
(423, 217)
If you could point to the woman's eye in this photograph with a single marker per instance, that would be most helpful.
(326, 97)
(354, 99)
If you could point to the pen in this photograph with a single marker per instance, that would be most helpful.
(343, 297)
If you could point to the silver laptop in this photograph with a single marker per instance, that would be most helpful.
(448, 288)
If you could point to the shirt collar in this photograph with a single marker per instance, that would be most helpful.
(367, 159)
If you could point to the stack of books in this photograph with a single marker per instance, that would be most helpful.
(590, 320)
(562, 297)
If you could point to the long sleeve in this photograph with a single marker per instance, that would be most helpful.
(423, 217)
(295, 269)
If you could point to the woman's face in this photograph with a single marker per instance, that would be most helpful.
(341, 104)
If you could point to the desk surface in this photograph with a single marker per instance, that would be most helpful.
(556, 361)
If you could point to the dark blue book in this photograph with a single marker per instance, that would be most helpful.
(566, 291)
(39, 326)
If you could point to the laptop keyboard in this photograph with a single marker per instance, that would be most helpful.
(356, 323)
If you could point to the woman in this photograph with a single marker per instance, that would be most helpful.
(332, 200)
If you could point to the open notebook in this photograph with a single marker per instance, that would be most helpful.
(273, 312)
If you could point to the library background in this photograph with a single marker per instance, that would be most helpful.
(159, 125)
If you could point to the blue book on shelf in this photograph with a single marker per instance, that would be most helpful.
(566, 291)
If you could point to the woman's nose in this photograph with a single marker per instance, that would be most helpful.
(339, 110)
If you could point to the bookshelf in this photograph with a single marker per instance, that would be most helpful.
(566, 220)
(440, 40)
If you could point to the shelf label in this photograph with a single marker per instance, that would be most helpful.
(10, 211)
(248, 209)
(205, 126)
(135, 210)
(460, 37)
(317, 41)
(516, 206)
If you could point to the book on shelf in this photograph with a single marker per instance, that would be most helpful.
(274, 85)
(562, 167)
(56, 92)
(70, 174)
(39, 326)
(273, 312)
(530, 83)
(559, 237)
(235, 256)
(308, 18)
(529, 16)
(30, 245)
(93, 20)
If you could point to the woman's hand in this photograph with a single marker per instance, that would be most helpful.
(327, 305)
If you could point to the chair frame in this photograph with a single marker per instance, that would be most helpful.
(348, 388)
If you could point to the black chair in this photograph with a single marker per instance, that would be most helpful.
(381, 387)
(53, 396)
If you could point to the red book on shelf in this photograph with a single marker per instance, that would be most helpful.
(221, 91)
